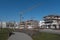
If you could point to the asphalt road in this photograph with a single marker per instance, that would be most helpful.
(19, 36)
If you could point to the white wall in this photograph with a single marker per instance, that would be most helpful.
(41, 23)
(3, 24)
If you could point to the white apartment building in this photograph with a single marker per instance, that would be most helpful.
(52, 21)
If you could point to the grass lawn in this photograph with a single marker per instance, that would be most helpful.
(4, 33)
(46, 36)
(40, 36)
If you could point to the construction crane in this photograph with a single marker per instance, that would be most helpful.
(21, 15)
(28, 9)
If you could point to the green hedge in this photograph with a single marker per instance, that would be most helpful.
(4, 33)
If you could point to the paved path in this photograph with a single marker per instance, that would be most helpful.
(19, 36)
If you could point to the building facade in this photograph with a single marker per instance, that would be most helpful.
(29, 24)
(2, 24)
(42, 24)
(22, 25)
(52, 21)
(10, 24)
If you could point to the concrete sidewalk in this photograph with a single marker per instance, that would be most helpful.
(19, 36)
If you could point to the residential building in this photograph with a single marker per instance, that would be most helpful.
(10, 24)
(22, 25)
(29, 24)
(52, 21)
(42, 24)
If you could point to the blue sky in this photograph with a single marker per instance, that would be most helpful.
(10, 9)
